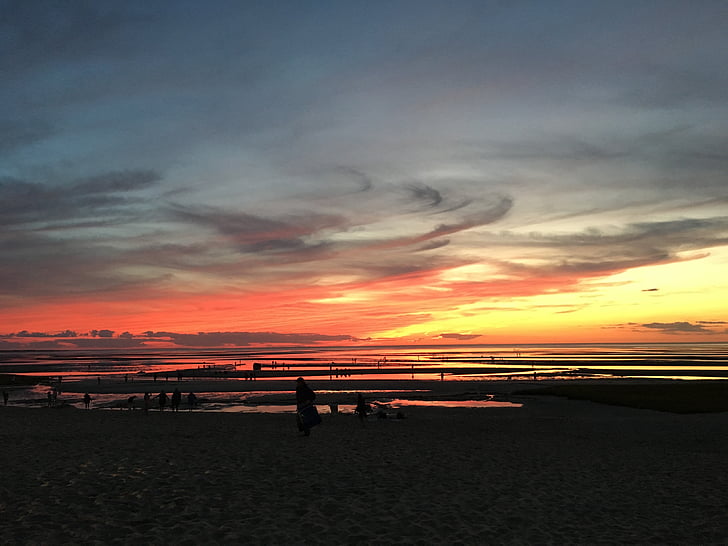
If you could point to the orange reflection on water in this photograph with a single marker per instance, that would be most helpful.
(451, 403)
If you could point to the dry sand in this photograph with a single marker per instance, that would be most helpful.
(552, 472)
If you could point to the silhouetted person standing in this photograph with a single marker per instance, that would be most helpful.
(361, 407)
(162, 400)
(87, 400)
(176, 399)
(304, 399)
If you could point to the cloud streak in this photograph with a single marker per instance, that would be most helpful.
(104, 196)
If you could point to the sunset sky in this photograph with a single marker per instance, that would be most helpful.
(363, 172)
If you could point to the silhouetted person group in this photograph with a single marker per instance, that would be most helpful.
(175, 400)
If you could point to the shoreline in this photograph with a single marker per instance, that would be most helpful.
(682, 396)
(222, 392)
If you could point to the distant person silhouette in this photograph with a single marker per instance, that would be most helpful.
(361, 407)
(130, 402)
(191, 400)
(304, 398)
(6, 395)
(87, 400)
(162, 400)
(147, 401)
(176, 399)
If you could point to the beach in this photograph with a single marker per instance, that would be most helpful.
(236, 395)
(552, 471)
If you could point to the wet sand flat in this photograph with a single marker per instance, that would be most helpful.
(553, 471)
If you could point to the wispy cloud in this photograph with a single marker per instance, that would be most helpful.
(252, 233)
(104, 198)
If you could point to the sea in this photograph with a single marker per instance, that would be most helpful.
(684, 360)
(467, 362)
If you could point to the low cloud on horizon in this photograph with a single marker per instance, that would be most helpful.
(109, 339)
(703, 327)
(105, 338)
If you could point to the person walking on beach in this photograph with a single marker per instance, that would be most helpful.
(361, 408)
(304, 405)
(6, 395)
(176, 399)
(191, 400)
(87, 400)
(162, 400)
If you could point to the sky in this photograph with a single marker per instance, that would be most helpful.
(237, 173)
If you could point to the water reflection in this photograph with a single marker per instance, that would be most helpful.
(257, 401)
(412, 362)
(399, 403)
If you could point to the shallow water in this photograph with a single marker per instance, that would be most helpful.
(319, 364)
(249, 402)
(419, 362)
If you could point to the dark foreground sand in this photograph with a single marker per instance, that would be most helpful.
(552, 472)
